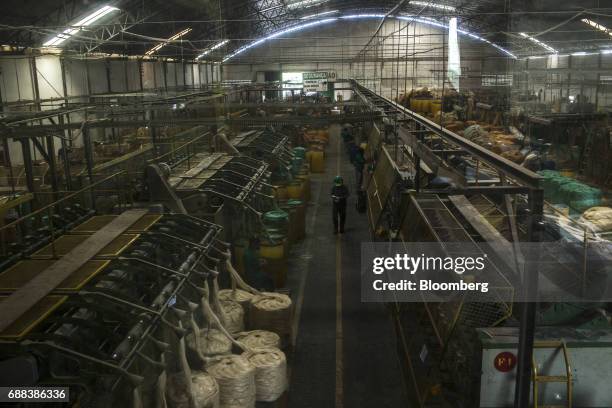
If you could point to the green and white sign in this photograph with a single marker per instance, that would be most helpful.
(317, 81)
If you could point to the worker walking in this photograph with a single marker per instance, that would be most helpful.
(339, 195)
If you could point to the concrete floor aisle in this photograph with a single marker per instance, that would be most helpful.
(345, 353)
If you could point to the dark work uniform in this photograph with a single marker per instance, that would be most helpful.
(339, 196)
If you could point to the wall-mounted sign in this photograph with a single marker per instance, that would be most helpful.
(314, 81)
(505, 361)
(317, 81)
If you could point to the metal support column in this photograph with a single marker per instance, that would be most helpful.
(528, 313)
(52, 165)
(65, 158)
(27, 163)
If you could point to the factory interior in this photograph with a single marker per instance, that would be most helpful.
(189, 188)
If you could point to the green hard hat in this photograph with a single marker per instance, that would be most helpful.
(338, 180)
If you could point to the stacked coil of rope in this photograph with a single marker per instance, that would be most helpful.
(259, 339)
(270, 373)
(233, 316)
(237, 295)
(272, 312)
(204, 387)
(236, 378)
(209, 343)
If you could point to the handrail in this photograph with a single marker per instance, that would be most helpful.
(174, 151)
(55, 203)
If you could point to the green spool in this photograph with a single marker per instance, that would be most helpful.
(275, 216)
(296, 164)
(294, 202)
(299, 152)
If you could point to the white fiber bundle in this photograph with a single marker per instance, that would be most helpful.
(236, 378)
(205, 390)
(271, 311)
(259, 339)
(270, 373)
(237, 295)
(204, 387)
(233, 316)
(209, 343)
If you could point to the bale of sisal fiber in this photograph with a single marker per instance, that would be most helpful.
(208, 343)
(513, 155)
(237, 295)
(204, 386)
(233, 316)
(259, 339)
(205, 390)
(597, 219)
(271, 311)
(236, 378)
(270, 373)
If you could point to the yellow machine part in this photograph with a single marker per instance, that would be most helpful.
(67, 243)
(21, 273)
(96, 223)
(32, 317)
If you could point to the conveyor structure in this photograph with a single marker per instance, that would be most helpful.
(114, 328)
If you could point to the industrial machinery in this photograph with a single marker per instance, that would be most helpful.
(430, 184)
(267, 145)
(204, 183)
(121, 292)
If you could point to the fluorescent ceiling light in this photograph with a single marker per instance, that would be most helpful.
(309, 24)
(173, 38)
(304, 3)
(78, 26)
(538, 42)
(433, 5)
(211, 49)
(598, 26)
(318, 15)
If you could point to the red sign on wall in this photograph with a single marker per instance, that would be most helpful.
(505, 361)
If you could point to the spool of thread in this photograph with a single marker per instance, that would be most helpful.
(233, 316)
(259, 339)
(212, 342)
(272, 312)
(270, 373)
(204, 387)
(237, 295)
(236, 378)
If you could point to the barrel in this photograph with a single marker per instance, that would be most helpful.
(293, 222)
(299, 210)
(413, 104)
(295, 190)
(317, 162)
(281, 192)
(273, 249)
(435, 107)
(304, 177)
